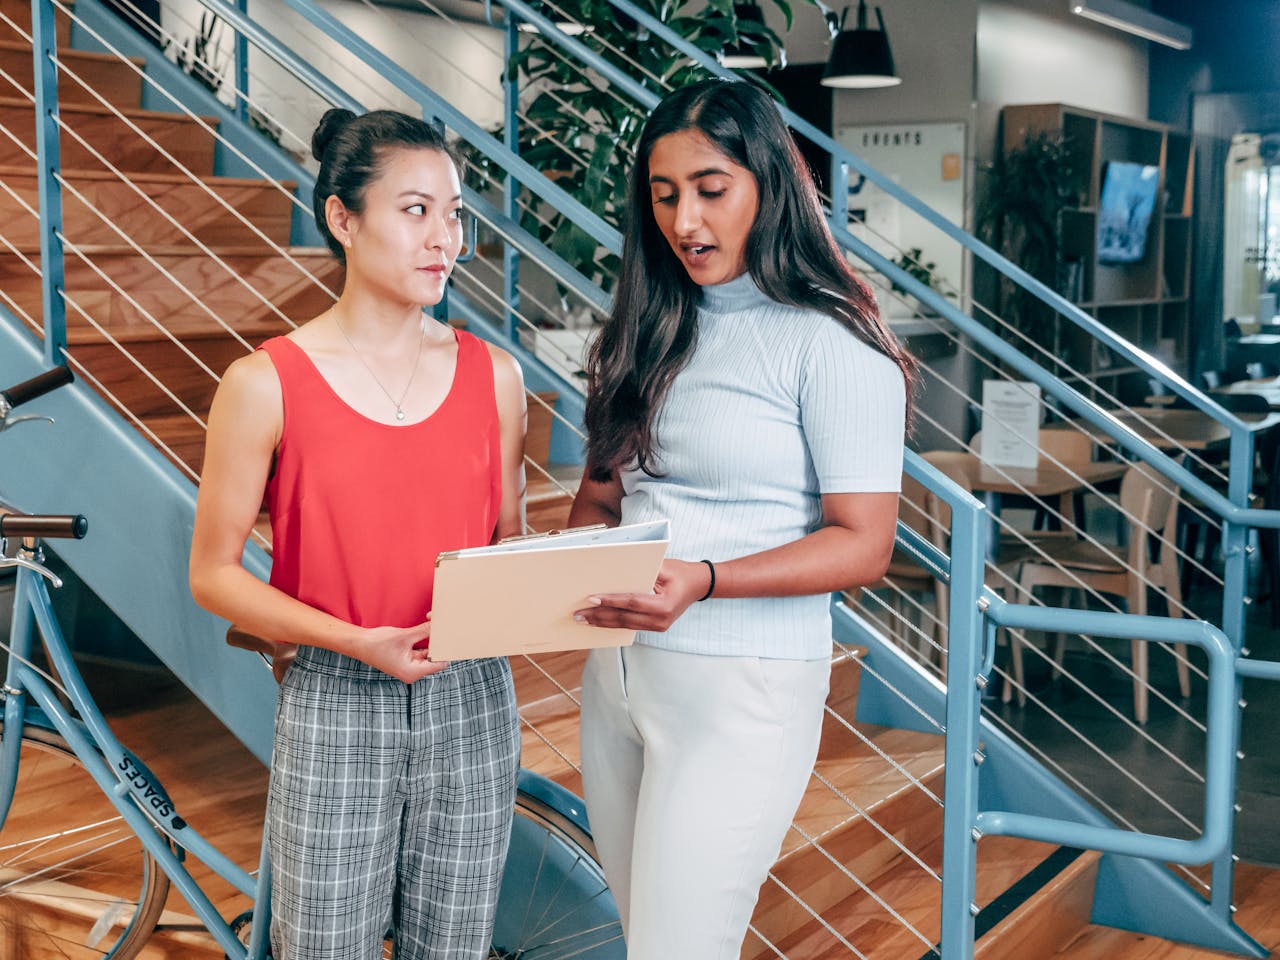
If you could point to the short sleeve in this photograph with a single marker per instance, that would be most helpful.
(853, 413)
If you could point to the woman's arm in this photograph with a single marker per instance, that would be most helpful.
(851, 550)
(513, 421)
(597, 502)
(245, 423)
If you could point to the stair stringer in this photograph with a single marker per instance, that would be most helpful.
(141, 514)
(1142, 896)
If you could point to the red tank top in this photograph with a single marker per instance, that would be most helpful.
(360, 509)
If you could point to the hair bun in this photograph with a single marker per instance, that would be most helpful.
(334, 119)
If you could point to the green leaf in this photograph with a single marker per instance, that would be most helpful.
(785, 7)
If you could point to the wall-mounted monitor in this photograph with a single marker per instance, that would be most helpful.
(1124, 213)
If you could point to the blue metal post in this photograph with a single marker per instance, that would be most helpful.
(242, 68)
(839, 193)
(52, 269)
(441, 310)
(964, 656)
(1234, 539)
(511, 186)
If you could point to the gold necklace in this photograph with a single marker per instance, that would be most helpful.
(398, 404)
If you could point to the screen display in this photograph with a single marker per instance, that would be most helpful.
(1128, 200)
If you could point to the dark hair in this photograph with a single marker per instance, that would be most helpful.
(790, 252)
(352, 150)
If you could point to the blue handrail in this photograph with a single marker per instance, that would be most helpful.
(1220, 737)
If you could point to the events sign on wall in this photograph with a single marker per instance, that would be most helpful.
(927, 159)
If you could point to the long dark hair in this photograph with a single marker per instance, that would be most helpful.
(352, 151)
(790, 254)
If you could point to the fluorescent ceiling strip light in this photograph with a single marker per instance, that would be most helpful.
(1134, 19)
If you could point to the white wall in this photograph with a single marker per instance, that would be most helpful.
(460, 61)
(1036, 51)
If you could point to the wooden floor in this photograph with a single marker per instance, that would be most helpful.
(220, 787)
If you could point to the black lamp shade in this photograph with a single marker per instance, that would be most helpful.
(861, 59)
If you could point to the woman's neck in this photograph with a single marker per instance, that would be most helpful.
(376, 322)
(740, 293)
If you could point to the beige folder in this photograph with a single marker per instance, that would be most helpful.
(520, 596)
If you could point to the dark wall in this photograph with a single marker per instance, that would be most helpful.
(1227, 83)
(1236, 49)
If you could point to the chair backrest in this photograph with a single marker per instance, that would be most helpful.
(913, 509)
(1151, 504)
(955, 465)
(1063, 446)
(1066, 446)
(1244, 402)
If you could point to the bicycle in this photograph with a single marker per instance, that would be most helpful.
(88, 858)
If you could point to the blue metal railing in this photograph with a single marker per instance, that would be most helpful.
(1236, 516)
(974, 615)
(974, 610)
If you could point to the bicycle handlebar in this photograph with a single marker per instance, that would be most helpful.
(37, 386)
(70, 526)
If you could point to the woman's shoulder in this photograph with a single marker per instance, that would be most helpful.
(251, 392)
(255, 373)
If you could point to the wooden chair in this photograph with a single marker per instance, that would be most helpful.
(930, 515)
(906, 578)
(1153, 510)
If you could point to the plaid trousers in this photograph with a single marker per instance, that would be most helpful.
(390, 808)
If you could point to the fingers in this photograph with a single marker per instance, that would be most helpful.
(657, 620)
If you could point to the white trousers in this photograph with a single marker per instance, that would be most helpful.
(693, 768)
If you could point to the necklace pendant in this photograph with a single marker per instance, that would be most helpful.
(399, 414)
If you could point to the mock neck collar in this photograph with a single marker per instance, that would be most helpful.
(739, 293)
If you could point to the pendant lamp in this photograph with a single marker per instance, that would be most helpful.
(861, 58)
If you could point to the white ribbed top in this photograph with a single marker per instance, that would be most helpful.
(777, 406)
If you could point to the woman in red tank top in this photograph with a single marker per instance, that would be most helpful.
(377, 438)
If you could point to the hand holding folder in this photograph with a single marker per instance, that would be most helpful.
(519, 596)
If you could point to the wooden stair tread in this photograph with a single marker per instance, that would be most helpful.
(1257, 898)
(184, 330)
(539, 488)
(913, 894)
(1050, 917)
(14, 170)
(183, 250)
(17, 46)
(132, 113)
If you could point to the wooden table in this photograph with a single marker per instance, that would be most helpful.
(1046, 480)
(1172, 429)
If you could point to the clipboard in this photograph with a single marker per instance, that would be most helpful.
(519, 596)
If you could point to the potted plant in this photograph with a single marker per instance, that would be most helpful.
(1027, 189)
(581, 133)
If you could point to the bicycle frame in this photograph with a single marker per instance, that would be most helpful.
(132, 789)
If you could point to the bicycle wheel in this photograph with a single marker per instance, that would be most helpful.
(75, 881)
(554, 903)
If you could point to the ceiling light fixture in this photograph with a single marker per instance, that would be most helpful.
(1134, 19)
(860, 58)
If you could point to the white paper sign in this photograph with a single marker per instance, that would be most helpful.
(1010, 423)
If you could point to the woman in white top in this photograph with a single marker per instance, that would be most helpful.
(746, 389)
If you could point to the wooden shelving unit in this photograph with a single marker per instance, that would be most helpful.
(1146, 302)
